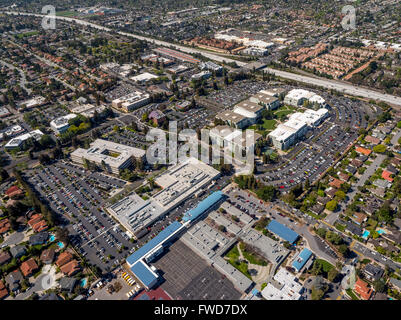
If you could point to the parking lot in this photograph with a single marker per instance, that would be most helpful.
(235, 93)
(188, 277)
(78, 196)
(318, 150)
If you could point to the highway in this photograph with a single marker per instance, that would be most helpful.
(321, 82)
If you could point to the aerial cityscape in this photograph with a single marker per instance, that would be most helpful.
(200, 150)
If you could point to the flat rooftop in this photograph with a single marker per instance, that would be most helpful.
(113, 154)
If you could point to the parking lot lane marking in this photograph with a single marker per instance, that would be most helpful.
(100, 234)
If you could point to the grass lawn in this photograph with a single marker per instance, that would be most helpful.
(242, 267)
(252, 258)
(27, 34)
(351, 294)
(66, 13)
(327, 266)
(269, 124)
(283, 113)
(233, 254)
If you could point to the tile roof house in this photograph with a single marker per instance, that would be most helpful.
(29, 267)
(4, 257)
(4, 226)
(70, 268)
(13, 279)
(3, 291)
(362, 289)
(37, 223)
(363, 151)
(47, 256)
(336, 183)
(386, 175)
(14, 192)
(64, 258)
(18, 251)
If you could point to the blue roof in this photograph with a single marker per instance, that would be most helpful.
(302, 258)
(282, 231)
(143, 274)
(203, 206)
(160, 238)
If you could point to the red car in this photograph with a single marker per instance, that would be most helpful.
(281, 187)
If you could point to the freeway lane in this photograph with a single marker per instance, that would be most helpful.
(339, 86)
(324, 83)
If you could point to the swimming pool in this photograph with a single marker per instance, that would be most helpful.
(83, 282)
(60, 245)
(365, 234)
(381, 231)
(52, 238)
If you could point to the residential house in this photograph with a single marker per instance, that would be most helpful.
(351, 169)
(373, 272)
(363, 290)
(352, 228)
(4, 257)
(372, 140)
(39, 238)
(343, 176)
(14, 192)
(359, 217)
(47, 256)
(363, 151)
(4, 226)
(331, 192)
(14, 279)
(70, 268)
(317, 209)
(336, 183)
(67, 284)
(356, 163)
(396, 283)
(18, 251)
(64, 258)
(29, 267)
(3, 291)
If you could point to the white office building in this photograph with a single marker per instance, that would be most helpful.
(296, 98)
(131, 101)
(110, 156)
(61, 124)
(18, 142)
(284, 286)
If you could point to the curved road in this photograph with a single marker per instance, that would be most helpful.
(325, 83)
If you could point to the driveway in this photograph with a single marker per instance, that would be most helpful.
(13, 239)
